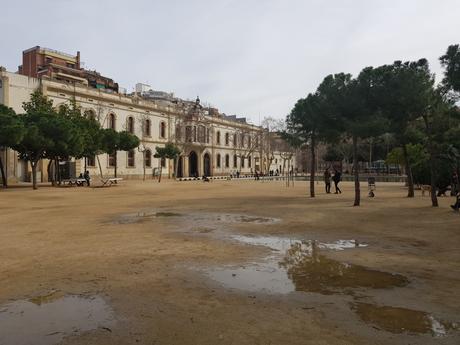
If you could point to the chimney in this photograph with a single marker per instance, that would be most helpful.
(78, 60)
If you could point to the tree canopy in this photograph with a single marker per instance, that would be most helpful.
(451, 63)
(11, 133)
(390, 106)
(44, 132)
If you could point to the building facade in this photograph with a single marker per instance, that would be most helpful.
(45, 63)
(211, 143)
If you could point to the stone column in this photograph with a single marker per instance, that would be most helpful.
(185, 166)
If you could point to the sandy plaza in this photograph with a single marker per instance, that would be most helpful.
(227, 262)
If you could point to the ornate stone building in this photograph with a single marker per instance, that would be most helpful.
(211, 143)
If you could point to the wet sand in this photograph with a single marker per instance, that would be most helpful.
(227, 262)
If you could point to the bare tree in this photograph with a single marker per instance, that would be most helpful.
(286, 156)
(102, 113)
(270, 139)
(246, 142)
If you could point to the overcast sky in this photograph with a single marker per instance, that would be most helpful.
(253, 58)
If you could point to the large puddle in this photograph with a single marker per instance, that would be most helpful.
(401, 320)
(46, 320)
(296, 265)
(200, 218)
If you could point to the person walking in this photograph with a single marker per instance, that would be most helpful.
(455, 187)
(327, 180)
(456, 206)
(336, 178)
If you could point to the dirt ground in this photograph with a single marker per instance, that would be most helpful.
(154, 271)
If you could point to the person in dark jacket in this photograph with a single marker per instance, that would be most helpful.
(327, 180)
(337, 178)
(87, 177)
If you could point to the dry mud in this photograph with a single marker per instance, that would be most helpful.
(227, 262)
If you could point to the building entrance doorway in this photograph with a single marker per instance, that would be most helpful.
(180, 169)
(193, 164)
(207, 164)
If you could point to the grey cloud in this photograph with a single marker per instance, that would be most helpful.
(249, 57)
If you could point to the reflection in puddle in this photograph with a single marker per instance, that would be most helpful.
(206, 218)
(48, 319)
(401, 320)
(267, 278)
(140, 217)
(312, 272)
(167, 214)
(52, 296)
(236, 218)
(283, 244)
(298, 266)
(202, 229)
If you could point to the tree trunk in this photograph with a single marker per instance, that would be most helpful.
(58, 171)
(410, 181)
(2, 171)
(100, 167)
(160, 172)
(144, 163)
(356, 172)
(34, 174)
(51, 173)
(176, 166)
(312, 167)
(116, 163)
(169, 168)
(434, 197)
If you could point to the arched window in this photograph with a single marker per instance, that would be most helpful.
(178, 133)
(148, 128)
(249, 141)
(112, 121)
(218, 160)
(235, 161)
(131, 125)
(227, 138)
(235, 140)
(242, 140)
(188, 134)
(242, 162)
(249, 162)
(227, 161)
(201, 134)
(163, 162)
(218, 138)
(162, 130)
(148, 158)
(207, 135)
(131, 155)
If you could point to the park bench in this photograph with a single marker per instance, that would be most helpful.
(110, 181)
(74, 182)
